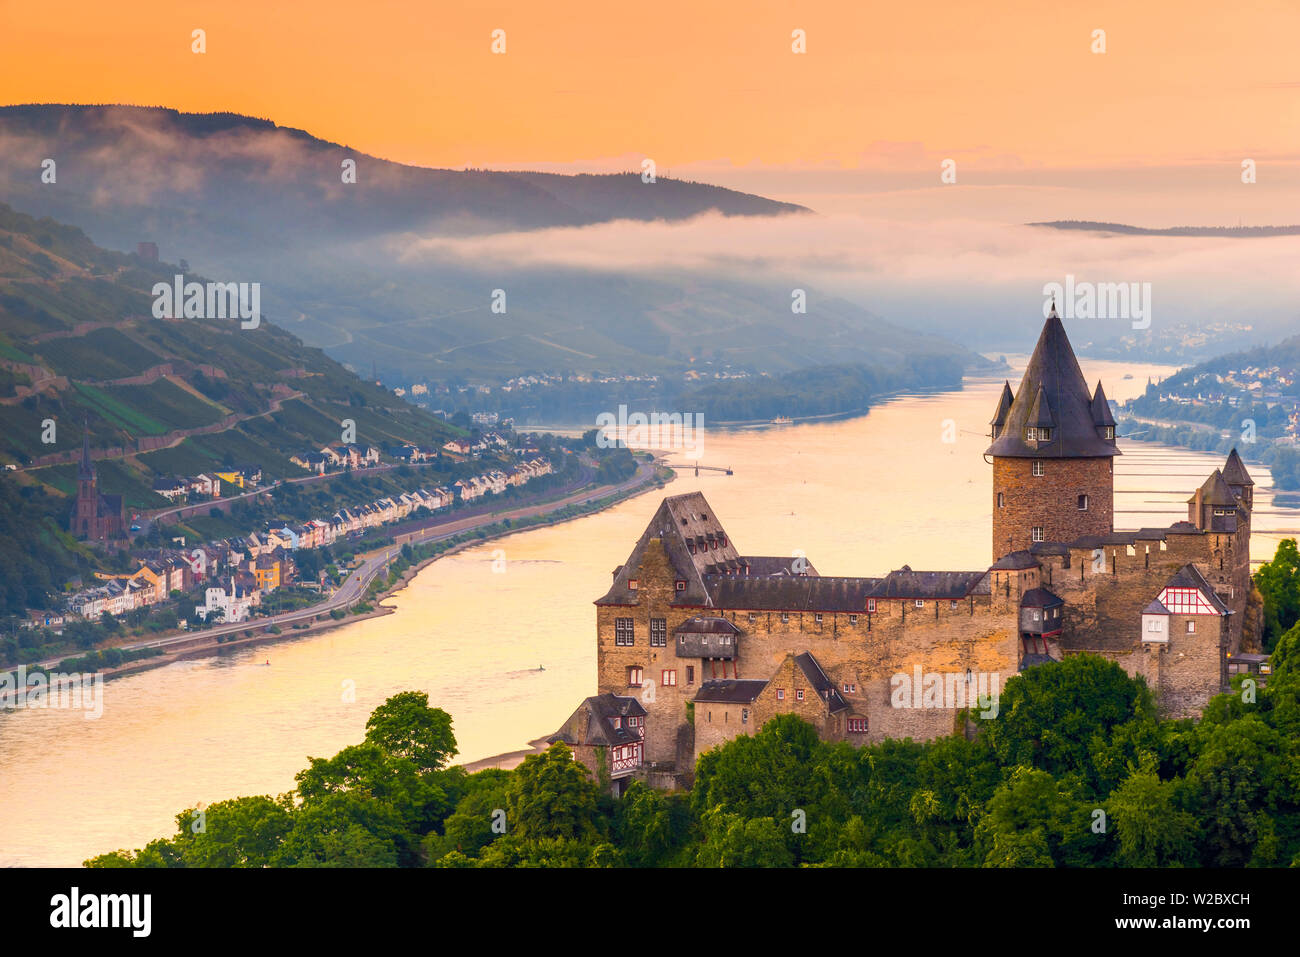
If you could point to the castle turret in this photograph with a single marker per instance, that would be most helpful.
(1238, 479)
(1052, 452)
(1215, 507)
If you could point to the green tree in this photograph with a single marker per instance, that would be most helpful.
(1029, 805)
(1279, 582)
(1150, 827)
(405, 726)
(344, 830)
(552, 796)
(1049, 717)
(734, 841)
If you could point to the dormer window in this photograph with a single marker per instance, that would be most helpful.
(632, 584)
(1108, 432)
(681, 584)
(1033, 434)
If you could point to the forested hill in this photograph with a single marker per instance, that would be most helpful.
(216, 165)
(398, 270)
(79, 344)
(1244, 400)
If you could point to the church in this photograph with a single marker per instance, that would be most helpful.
(96, 517)
(710, 642)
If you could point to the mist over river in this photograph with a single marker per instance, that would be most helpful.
(859, 496)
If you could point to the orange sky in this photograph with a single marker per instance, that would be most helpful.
(995, 85)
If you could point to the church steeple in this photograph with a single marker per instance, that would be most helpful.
(87, 473)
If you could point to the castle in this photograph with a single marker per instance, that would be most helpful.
(712, 643)
(95, 516)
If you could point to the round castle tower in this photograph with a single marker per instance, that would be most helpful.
(1052, 451)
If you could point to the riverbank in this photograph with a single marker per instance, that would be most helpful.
(207, 645)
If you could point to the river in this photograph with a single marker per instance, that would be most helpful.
(858, 496)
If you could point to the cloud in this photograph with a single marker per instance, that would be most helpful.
(845, 248)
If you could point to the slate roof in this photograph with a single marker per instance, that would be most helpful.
(1004, 405)
(1189, 577)
(1215, 491)
(706, 638)
(1234, 471)
(823, 685)
(678, 520)
(706, 626)
(730, 690)
(1101, 414)
(905, 583)
(761, 566)
(794, 593)
(1015, 560)
(1155, 608)
(1053, 394)
(591, 723)
(1040, 598)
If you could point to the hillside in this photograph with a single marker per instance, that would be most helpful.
(79, 344)
(364, 270)
(1249, 400)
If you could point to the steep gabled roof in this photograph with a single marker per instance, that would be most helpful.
(592, 724)
(1052, 388)
(1190, 577)
(1215, 491)
(1234, 471)
(823, 685)
(679, 520)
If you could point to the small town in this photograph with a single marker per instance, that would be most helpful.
(234, 575)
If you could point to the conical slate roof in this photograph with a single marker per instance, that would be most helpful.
(1234, 472)
(1004, 406)
(1053, 394)
(1101, 414)
(1040, 414)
